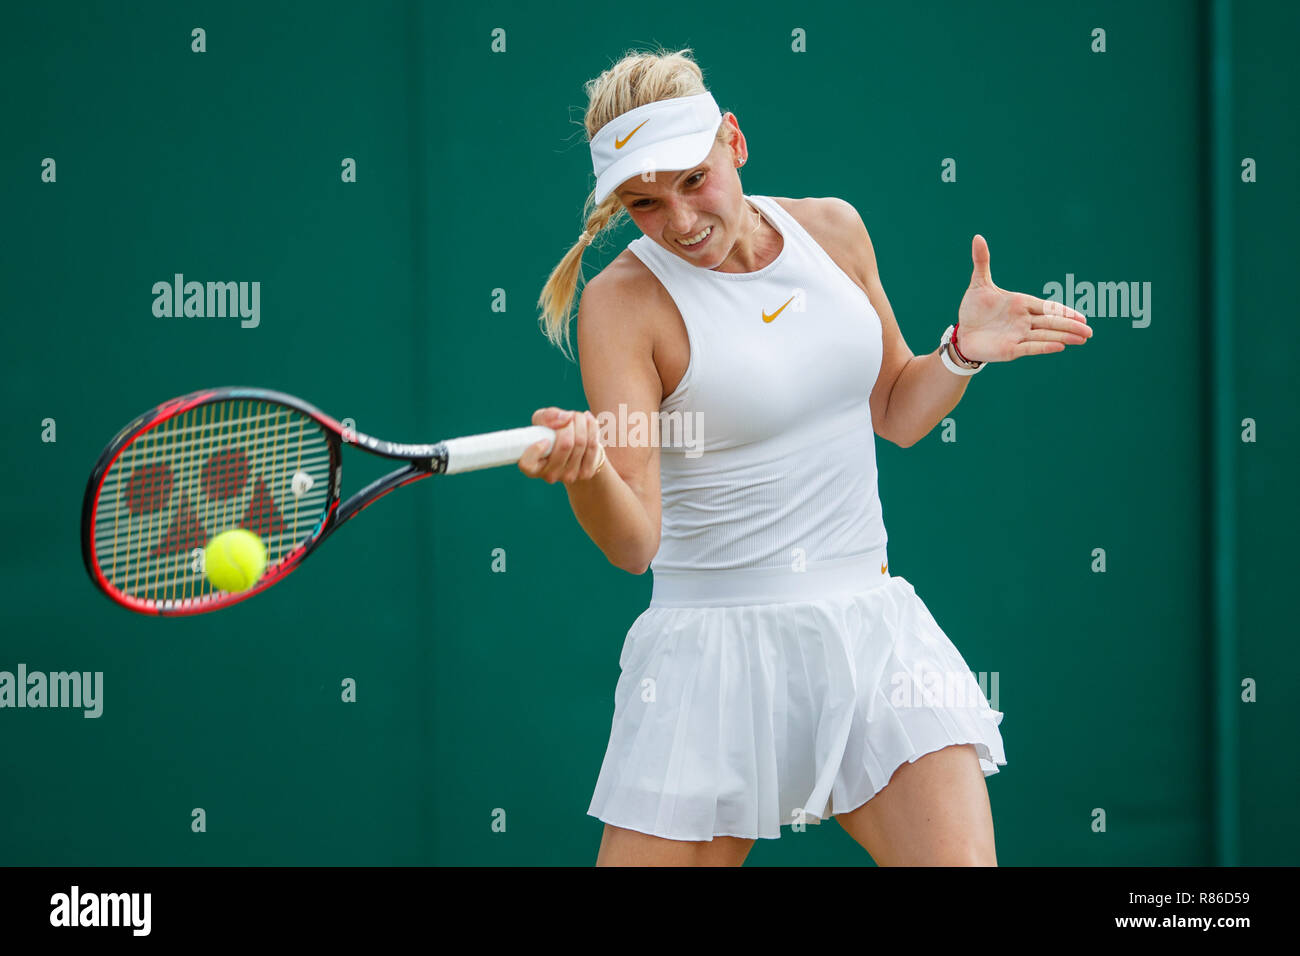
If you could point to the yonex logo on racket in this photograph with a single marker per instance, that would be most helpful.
(219, 459)
(201, 467)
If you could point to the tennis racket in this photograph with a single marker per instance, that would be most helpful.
(227, 458)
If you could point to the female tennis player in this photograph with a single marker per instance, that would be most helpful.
(782, 674)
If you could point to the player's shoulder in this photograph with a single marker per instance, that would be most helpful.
(836, 226)
(824, 213)
(624, 282)
(623, 302)
(627, 282)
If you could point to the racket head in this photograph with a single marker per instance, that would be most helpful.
(195, 466)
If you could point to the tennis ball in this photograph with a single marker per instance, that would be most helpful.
(234, 560)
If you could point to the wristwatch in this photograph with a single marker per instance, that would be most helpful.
(953, 366)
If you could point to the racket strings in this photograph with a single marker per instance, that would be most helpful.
(221, 465)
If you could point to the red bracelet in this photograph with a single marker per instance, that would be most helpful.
(957, 350)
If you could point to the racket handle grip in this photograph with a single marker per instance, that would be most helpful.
(492, 449)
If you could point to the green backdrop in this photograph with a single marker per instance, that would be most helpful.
(486, 696)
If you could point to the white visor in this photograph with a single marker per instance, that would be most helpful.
(667, 134)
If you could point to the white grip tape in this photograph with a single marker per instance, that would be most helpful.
(494, 448)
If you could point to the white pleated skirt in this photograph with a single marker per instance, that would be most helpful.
(754, 699)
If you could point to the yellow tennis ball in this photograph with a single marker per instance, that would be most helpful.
(234, 560)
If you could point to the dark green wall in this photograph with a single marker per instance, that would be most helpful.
(479, 690)
(1266, 79)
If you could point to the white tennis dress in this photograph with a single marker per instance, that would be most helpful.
(781, 673)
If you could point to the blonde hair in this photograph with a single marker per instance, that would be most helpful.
(635, 80)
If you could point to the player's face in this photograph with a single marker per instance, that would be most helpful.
(698, 214)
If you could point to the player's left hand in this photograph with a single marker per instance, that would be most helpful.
(999, 326)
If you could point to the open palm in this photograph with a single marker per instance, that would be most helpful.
(999, 326)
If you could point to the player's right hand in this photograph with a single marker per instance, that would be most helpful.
(576, 453)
